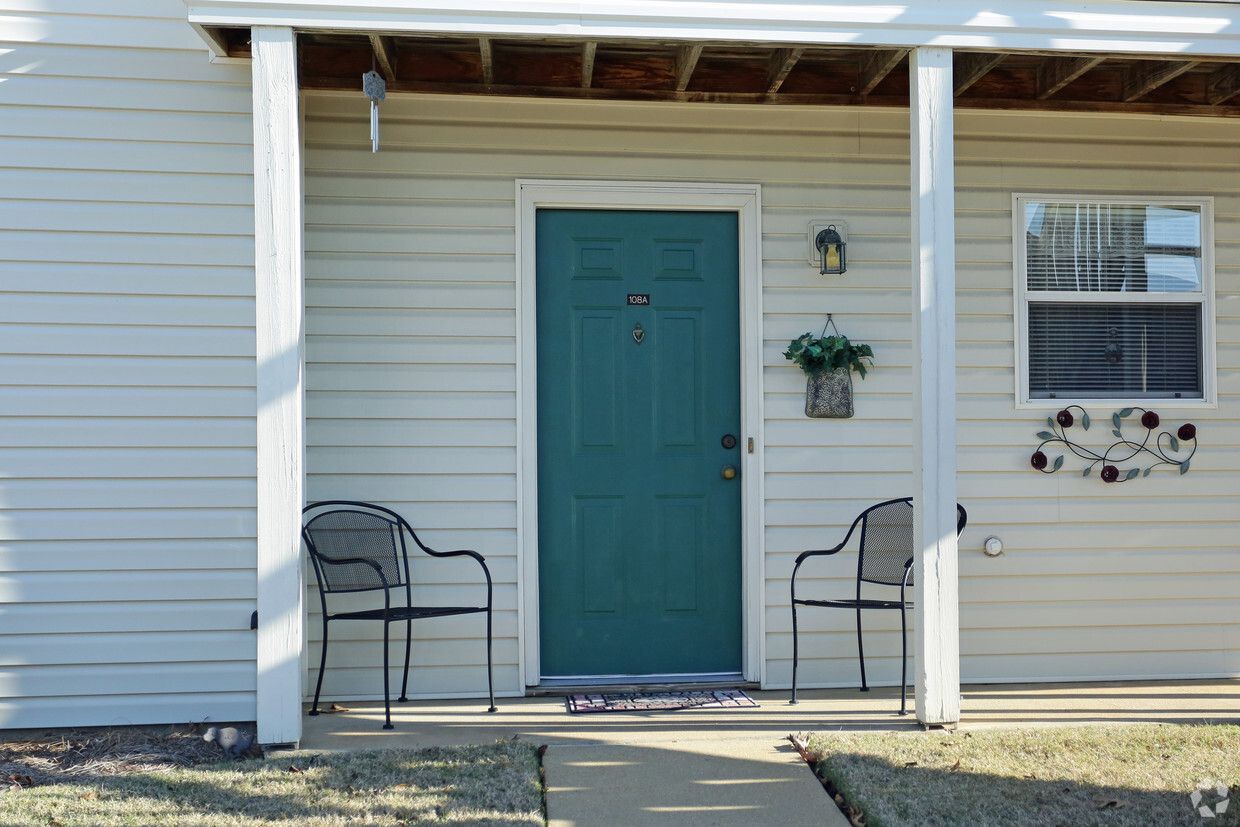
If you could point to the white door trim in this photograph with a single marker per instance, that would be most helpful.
(746, 201)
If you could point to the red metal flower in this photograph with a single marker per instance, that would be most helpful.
(1064, 418)
(1150, 420)
(1110, 473)
(1038, 460)
(1187, 431)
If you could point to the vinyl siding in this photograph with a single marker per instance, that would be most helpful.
(127, 404)
(411, 369)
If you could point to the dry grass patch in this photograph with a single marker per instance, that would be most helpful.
(71, 784)
(1127, 776)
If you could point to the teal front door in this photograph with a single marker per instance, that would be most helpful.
(638, 421)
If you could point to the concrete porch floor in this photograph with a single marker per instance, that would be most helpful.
(736, 766)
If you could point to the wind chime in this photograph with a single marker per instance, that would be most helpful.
(375, 88)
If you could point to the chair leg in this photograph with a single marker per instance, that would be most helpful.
(404, 684)
(903, 661)
(490, 670)
(861, 653)
(387, 698)
(795, 653)
(318, 687)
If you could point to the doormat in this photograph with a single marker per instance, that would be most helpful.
(651, 701)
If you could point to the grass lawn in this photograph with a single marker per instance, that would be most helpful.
(494, 784)
(1123, 776)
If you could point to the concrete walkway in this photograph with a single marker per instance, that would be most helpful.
(734, 766)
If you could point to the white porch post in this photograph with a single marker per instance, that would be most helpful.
(936, 616)
(279, 309)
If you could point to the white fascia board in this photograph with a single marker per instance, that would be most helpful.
(1160, 27)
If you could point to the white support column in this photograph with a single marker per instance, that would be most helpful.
(937, 612)
(279, 308)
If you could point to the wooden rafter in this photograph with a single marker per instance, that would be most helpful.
(782, 61)
(1057, 72)
(488, 60)
(385, 55)
(1223, 85)
(755, 73)
(1145, 76)
(588, 50)
(876, 65)
(899, 101)
(686, 61)
(970, 68)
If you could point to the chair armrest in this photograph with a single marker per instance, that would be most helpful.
(817, 552)
(458, 553)
(486, 571)
(821, 552)
(404, 526)
(805, 555)
(347, 561)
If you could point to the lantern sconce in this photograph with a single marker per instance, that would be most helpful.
(827, 243)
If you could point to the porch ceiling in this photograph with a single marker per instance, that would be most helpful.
(705, 72)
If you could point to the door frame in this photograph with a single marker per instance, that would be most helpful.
(745, 200)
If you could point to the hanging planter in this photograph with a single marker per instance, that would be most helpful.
(829, 394)
(828, 362)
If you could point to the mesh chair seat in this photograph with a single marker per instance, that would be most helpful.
(361, 547)
(855, 604)
(884, 559)
(410, 613)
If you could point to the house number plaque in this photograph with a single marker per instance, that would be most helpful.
(639, 299)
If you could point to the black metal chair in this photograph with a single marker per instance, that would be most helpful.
(360, 547)
(884, 558)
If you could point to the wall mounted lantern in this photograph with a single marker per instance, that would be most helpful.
(828, 242)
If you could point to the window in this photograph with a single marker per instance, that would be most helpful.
(1113, 299)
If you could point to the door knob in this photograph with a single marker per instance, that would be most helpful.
(728, 472)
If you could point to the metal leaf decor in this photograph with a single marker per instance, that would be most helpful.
(1166, 448)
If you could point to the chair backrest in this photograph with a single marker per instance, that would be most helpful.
(356, 531)
(886, 544)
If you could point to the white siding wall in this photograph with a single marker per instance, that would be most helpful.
(127, 493)
(411, 381)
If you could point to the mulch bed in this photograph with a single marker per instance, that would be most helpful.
(83, 754)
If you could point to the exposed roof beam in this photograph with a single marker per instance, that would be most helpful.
(1057, 72)
(1145, 76)
(1223, 85)
(782, 61)
(969, 68)
(875, 66)
(488, 60)
(899, 101)
(385, 54)
(588, 50)
(686, 62)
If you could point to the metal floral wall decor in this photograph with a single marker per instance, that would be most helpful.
(1163, 448)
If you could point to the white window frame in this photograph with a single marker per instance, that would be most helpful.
(1205, 299)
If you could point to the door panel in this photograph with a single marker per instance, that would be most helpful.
(639, 534)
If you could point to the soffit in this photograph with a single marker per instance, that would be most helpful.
(753, 73)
